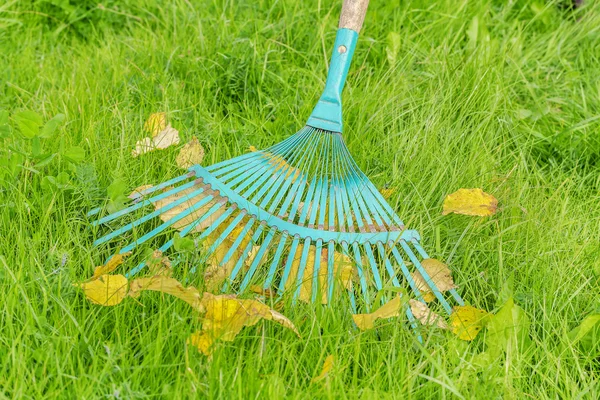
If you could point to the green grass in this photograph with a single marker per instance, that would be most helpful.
(499, 95)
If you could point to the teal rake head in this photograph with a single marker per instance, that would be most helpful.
(304, 198)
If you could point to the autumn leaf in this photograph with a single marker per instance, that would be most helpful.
(387, 192)
(425, 315)
(466, 322)
(165, 138)
(110, 265)
(440, 275)
(191, 153)
(168, 285)
(390, 309)
(279, 163)
(470, 202)
(225, 317)
(139, 192)
(156, 123)
(343, 270)
(189, 201)
(159, 264)
(268, 293)
(106, 290)
(327, 367)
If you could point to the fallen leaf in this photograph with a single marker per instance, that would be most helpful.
(268, 293)
(188, 201)
(280, 164)
(390, 309)
(440, 275)
(467, 321)
(387, 192)
(156, 123)
(107, 290)
(165, 138)
(139, 192)
(110, 265)
(508, 330)
(327, 367)
(470, 202)
(159, 264)
(225, 317)
(343, 270)
(191, 153)
(425, 315)
(168, 285)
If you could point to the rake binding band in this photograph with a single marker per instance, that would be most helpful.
(298, 217)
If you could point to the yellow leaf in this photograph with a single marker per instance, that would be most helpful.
(343, 271)
(225, 317)
(107, 290)
(158, 264)
(268, 293)
(425, 315)
(467, 321)
(110, 265)
(439, 273)
(217, 272)
(192, 153)
(390, 309)
(165, 138)
(188, 202)
(156, 123)
(165, 284)
(139, 192)
(470, 202)
(387, 192)
(252, 148)
(327, 367)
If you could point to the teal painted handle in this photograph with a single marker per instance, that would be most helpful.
(327, 114)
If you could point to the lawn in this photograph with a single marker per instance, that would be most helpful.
(498, 95)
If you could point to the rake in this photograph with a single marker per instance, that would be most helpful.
(298, 203)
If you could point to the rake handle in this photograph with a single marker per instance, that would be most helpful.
(353, 14)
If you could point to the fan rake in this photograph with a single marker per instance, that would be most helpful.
(300, 202)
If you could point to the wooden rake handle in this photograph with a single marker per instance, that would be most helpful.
(353, 14)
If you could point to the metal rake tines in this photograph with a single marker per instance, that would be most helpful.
(290, 217)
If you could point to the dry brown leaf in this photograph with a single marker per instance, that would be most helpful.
(425, 315)
(139, 192)
(268, 293)
(470, 202)
(390, 309)
(167, 137)
(439, 273)
(110, 265)
(107, 290)
(189, 201)
(343, 271)
(165, 284)
(225, 317)
(328, 365)
(156, 123)
(467, 321)
(190, 154)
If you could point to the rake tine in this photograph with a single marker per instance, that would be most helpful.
(149, 216)
(187, 229)
(406, 273)
(426, 277)
(423, 254)
(275, 262)
(168, 223)
(145, 202)
(301, 269)
(316, 270)
(256, 262)
(361, 274)
(288, 266)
